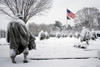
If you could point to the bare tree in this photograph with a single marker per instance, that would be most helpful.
(26, 8)
(87, 17)
(36, 28)
(58, 24)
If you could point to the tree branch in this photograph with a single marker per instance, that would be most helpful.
(6, 13)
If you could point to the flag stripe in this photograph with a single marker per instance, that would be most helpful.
(70, 14)
(68, 18)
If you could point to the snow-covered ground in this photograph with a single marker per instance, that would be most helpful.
(54, 52)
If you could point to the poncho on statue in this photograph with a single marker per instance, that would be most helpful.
(19, 37)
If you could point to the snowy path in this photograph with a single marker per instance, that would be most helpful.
(54, 48)
(61, 48)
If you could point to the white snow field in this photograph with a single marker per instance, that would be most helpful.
(55, 52)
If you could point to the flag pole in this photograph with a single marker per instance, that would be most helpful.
(66, 17)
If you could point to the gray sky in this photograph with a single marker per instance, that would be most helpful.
(57, 12)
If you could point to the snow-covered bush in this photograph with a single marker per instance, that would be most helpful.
(42, 35)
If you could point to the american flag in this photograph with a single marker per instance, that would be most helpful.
(70, 14)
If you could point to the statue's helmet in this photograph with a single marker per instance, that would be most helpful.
(19, 15)
(83, 27)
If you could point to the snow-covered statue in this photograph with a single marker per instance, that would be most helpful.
(47, 35)
(58, 35)
(42, 35)
(98, 34)
(77, 34)
(93, 35)
(82, 45)
(70, 35)
(19, 38)
(85, 35)
(63, 35)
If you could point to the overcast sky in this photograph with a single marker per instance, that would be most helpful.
(57, 11)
